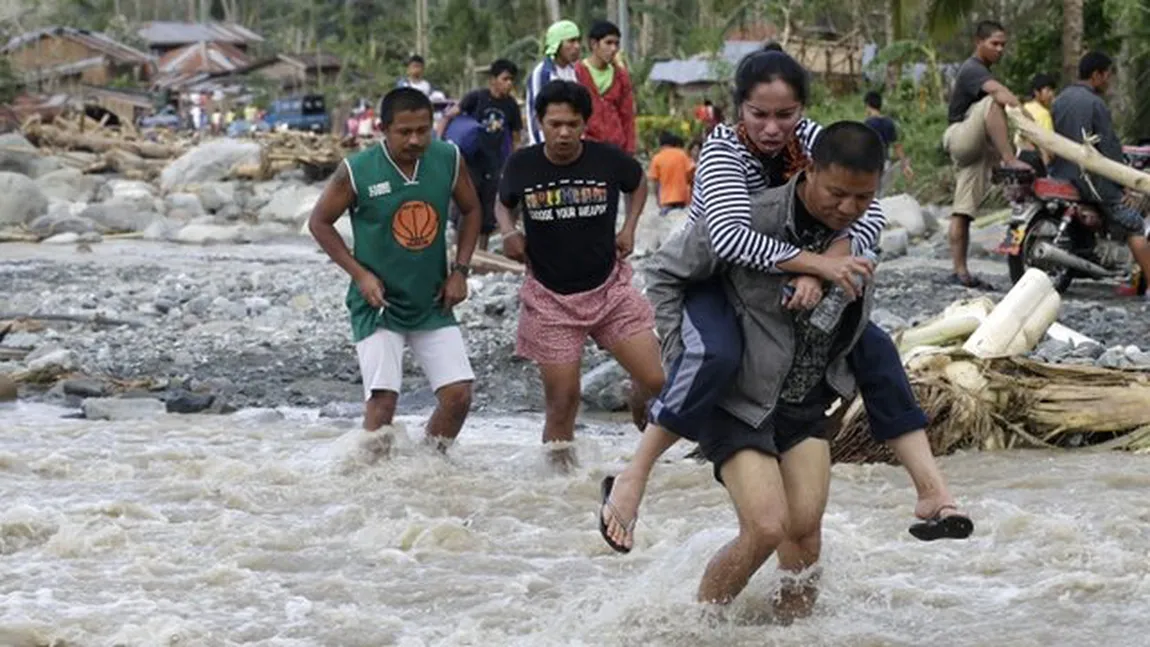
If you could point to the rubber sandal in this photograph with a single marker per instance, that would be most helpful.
(605, 496)
(971, 281)
(955, 526)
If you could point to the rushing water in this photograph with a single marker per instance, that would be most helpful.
(257, 529)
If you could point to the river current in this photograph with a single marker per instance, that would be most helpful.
(258, 529)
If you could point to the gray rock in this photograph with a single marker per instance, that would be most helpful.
(59, 220)
(161, 229)
(18, 155)
(230, 213)
(85, 388)
(57, 358)
(22, 200)
(215, 196)
(257, 305)
(163, 306)
(606, 386)
(123, 408)
(90, 237)
(203, 234)
(1114, 358)
(291, 205)
(69, 185)
(183, 206)
(904, 211)
(1053, 350)
(894, 243)
(209, 162)
(112, 218)
(654, 230)
(1088, 350)
(132, 194)
(182, 401)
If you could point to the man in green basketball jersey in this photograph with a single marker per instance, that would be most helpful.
(402, 289)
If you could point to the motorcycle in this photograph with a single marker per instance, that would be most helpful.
(1052, 227)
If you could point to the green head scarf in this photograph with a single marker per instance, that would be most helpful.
(557, 33)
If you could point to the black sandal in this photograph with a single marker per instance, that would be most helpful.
(971, 281)
(955, 526)
(605, 496)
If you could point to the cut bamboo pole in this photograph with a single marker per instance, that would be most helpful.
(1026, 300)
(1084, 155)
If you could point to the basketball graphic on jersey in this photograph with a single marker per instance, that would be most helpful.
(415, 225)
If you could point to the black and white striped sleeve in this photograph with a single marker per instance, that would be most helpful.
(864, 234)
(807, 131)
(722, 179)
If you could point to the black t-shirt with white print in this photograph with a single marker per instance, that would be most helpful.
(569, 212)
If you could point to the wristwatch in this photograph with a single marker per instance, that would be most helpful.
(465, 270)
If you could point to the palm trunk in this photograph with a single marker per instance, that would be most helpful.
(1071, 38)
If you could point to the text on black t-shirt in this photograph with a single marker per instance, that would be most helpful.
(569, 212)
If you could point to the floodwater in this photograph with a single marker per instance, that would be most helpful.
(258, 529)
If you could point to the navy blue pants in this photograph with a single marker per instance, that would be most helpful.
(712, 352)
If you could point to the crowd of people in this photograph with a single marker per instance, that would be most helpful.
(754, 330)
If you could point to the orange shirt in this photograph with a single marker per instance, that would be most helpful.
(672, 168)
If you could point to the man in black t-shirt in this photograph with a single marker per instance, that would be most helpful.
(578, 282)
(501, 124)
(976, 138)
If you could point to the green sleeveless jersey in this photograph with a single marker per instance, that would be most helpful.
(399, 228)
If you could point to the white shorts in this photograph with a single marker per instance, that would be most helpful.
(441, 354)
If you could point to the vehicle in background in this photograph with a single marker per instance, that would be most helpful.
(167, 117)
(306, 112)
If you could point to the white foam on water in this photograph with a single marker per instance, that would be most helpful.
(255, 529)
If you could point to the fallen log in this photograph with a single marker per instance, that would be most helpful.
(47, 135)
(487, 262)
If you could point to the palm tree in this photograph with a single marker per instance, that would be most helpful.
(1071, 38)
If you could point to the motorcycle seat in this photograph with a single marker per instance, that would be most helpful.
(1048, 188)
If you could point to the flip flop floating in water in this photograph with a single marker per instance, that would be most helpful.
(954, 526)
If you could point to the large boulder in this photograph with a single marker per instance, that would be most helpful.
(183, 206)
(21, 201)
(904, 211)
(894, 243)
(114, 218)
(62, 217)
(69, 185)
(214, 196)
(291, 205)
(606, 387)
(18, 155)
(210, 162)
(131, 194)
(123, 409)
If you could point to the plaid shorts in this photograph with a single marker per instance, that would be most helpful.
(553, 327)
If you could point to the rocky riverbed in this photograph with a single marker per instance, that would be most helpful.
(228, 326)
(218, 300)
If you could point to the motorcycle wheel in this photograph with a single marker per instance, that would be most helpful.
(1041, 229)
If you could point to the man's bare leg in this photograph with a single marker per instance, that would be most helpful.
(639, 356)
(450, 412)
(913, 451)
(960, 242)
(379, 411)
(561, 391)
(999, 133)
(756, 486)
(806, 473)
(1140, 249)
(484, 239)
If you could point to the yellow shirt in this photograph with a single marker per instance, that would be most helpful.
(1041, 117)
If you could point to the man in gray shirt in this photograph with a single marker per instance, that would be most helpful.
(1080, 108)
(976, 138)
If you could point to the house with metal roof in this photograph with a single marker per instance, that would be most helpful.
(59, 57)
(165, 36)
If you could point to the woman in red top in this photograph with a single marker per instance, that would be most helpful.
(612, 103)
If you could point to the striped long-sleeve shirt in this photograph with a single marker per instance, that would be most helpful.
(728, 174)
(545, 72)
